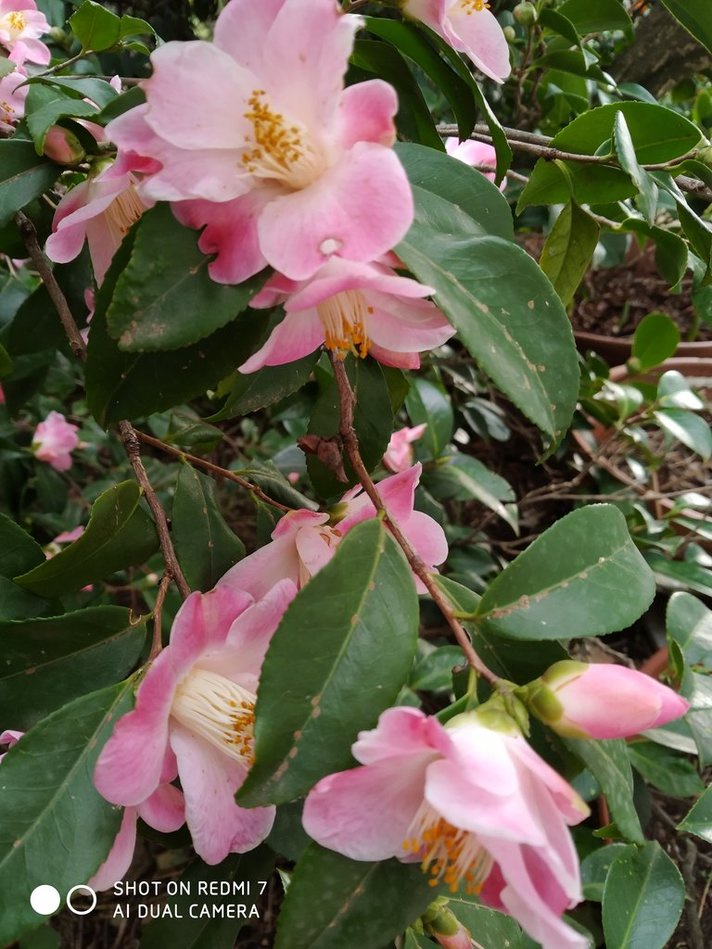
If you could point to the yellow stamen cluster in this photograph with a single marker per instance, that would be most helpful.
(276, 148)
(218, 710)
(474, 6)
(344, 317)
(15, 22)
(449, 854)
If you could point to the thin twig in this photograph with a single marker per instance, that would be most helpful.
(67, 62)
(157, 642)
(212, 468)
(353, 452)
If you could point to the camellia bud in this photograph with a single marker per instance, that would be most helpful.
(525, 13)
(510, 34)
(440, 922)
(63, 146)
(600, 700)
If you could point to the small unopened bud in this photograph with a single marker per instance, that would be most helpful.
(510, 34)
(443, 926)
(525, 13)
(63, 146)
(57, 35)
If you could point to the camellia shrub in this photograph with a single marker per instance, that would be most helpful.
(263, 679)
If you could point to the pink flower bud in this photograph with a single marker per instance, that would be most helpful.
(54, 440)
(601, 700)
(63, 146)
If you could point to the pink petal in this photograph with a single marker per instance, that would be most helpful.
(480, 36)
(316, 547)
(398, 360)
(401, 325)
(401, 731)
(572, 808)
(251, 633)
(296, 336)
(241, 30)
(209, 780)
(119, 858)
(366, 113)
(300, 231)
(338, 275)
(164, 810)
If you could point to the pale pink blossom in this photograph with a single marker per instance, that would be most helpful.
(277, 160)
(364, 308)
(54, 440)
(399, 454)
(475, 153)
(602, 700)
(304, 541)
(8, 738)
(21, 25)
(468, 802)
(100, 210)
(196, 705)
(12, 99)
(469, 27)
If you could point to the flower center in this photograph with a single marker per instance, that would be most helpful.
(344, 319)
(451, 855)
(218, 710)
(122, 214)
(277, 148)
(14, 23)
(474, 6)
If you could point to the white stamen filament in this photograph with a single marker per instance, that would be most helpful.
(344, 317)
(122, 214)
(218, 710)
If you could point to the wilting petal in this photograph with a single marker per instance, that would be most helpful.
(119, 858)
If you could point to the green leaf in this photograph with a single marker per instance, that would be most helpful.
(433, 671)
(165, 298)
(460, 185)
(647, 197)
(698, 820)
(608, 762)
(15, 603)
(336, 903)
(694, 15)
(558, 23)
(506, 311)
(95, 27)
(596, 16)
(568, 249)
(327, 676)
(135, 26)
(18, 551)
(24, 176)
(689, 624)
(49, 662)
(413, 43)
(79, 87)
(428, 403)
(690, 429)
(56, 829)
(461, 477)
(119, 534)
(642, 899)
(45, 105)
(668, 772)
(655, 339)
(595, 867)
(216, 931)
(583, 577)
(255, 390)
(5, 362)
(205, 545)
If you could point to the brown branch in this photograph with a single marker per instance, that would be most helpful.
(687, 868)
(212, 468)
(353, 452)
(157, 642)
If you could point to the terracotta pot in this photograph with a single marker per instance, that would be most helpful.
(616, 350)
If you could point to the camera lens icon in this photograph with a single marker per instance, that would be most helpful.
(45, 900)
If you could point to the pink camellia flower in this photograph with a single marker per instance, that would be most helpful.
(8, 738)
(475, 153)
(21, 25)
(364, 308)
(2, 396)
(475, 806)
(54, 441)
(197, 702)
(399, 454)
(470, 28)
(100, 210)
(12, 99)
(304, 541)
(602, 700)
(283, 165)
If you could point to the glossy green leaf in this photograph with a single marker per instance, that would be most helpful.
(655, 339)
(119, 534)
(690, 429)
(694, 15)
(433, 671)
(428, 403)
(56, 829)
(49, 662)
(595, 16)
(665, 770)
(18, 551)
(608, 762)
(595, 867)
(647, 196)
(259, 389)
(506, 312)
(333, 665)
(457, 183)
(45, 105)
(24, 176)
(164, 298)
(16, 603)
(336, 903)
(581, 577)
(674, 391)
(461, 477)
(642, 899)
(558, 23)
(216, 930)
(698, 820)
(568, 249)
(206, 547)
(79, 87)
(689, 624)
(95, 27)
(135, 26)
(491, 929)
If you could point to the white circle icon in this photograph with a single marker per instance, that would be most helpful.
(84, 890)
(45, 899)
